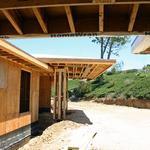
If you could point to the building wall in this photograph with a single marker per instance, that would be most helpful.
(10, 118)
(45, 93)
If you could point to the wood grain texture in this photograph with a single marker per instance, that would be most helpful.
(45, 92)
(10, 118)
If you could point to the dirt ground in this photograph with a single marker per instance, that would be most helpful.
(117, 127)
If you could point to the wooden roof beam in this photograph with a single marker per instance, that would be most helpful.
(101, 18)
(40, 18)
(70, 18)
(15, 4)
(13, 19)
(133, 17)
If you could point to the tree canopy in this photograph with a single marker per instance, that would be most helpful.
(110, 45)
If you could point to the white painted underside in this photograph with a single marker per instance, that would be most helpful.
(141, 44)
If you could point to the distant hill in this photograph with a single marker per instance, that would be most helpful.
(121, 84)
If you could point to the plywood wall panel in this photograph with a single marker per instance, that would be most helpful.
(35, 96)
(11, 122)
(45, 92)
(3, 75)
(2, 111)
(10, 117)
(24, 119)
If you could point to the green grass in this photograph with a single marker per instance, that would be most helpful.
(130, 84)
(73, 84)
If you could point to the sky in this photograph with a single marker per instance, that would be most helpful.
(78, 47)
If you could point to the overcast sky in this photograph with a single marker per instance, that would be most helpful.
(78, 47)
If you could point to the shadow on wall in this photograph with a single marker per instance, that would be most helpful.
(78, 116)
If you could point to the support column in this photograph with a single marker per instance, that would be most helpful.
(64, 95)
(55, 93)
(60, 94)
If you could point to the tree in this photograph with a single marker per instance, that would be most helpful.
(146, 68)
(117, 67)
(110, 45)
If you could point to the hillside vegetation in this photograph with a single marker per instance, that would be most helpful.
(121, 84)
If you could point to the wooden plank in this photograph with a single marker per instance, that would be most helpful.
(77, 61)
(64, 95)
(86, 72)
(81, 73)
(92, 72)
(82, 138)
(40, 19)
(13, 19)
(70, 18)
(101, 18)
(15, 4)
(133, 17)
(59, 95)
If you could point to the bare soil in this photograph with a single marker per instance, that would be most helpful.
(117, 127)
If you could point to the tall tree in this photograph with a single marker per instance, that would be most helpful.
(110, 45)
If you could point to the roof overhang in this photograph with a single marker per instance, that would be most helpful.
(28, 18)
(80, 68)
(12, 53)
(141, 45)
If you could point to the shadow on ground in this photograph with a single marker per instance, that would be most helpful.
(78, 116)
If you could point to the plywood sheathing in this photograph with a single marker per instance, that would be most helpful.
(10, 117)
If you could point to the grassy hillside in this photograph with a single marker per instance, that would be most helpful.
(73, 84)
(127, 84)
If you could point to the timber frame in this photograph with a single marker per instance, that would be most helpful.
(14, 54)
(58, 70)
(79, 68)
(73, 18)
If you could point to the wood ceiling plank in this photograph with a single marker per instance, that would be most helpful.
(101, 18)
(37, 12)
(13, 19)
(133, 17)
(70, 18)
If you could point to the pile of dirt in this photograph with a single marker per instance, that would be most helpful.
(51, 135)
(123, 102)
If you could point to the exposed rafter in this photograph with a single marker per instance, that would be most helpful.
(70, 18)
(13, 19)
(93, 71)
(86, 72)
(133, 17)
(101, 18)
(40, 19)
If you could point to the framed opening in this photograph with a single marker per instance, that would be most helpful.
(25, 91)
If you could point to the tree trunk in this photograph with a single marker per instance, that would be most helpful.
(102, 52)
(109, 52)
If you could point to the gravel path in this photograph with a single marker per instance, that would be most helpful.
(117, 127)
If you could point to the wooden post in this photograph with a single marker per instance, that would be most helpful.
(55, 93)
(67, 93)
(64, 94)
(59, 95)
